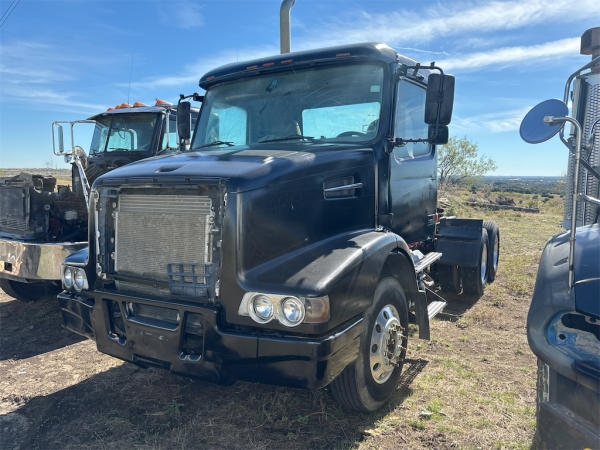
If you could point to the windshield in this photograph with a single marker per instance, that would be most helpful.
(123, 132)
(329, 104)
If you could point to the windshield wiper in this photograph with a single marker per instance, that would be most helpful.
(289, 138)
(210, 144)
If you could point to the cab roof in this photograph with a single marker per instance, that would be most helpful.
(372, 51)
(136, 109)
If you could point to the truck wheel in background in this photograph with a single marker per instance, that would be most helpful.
(29, 292)
(474, 278)
(493, 249)
(449, 278)
(369, 382)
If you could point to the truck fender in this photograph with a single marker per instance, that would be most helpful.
(345, 267)
(79, 258)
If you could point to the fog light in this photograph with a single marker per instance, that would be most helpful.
(67, 277)
(293, 312)
(261, 308)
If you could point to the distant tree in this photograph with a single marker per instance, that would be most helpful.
(459, 160)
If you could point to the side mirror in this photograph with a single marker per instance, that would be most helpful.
(61, 139)
(534, 126)
(439, 99)
(438, 134)
(184, 121)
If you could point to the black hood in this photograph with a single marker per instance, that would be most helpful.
(242, 169)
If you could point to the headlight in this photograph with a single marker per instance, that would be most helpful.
(261, 308)
(74, 278)
(289, 310)
(292, 312)
(79, 280)
(68, 277)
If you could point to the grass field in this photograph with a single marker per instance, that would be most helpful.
(472, 385)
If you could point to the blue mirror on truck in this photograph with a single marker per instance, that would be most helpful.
(534, 129)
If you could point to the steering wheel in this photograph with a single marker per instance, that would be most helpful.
(350, 133)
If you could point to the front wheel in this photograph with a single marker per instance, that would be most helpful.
(29, 292)
(369, 382)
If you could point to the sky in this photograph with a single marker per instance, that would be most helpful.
(66, 60)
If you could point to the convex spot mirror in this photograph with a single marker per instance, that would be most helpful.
(439, 99)
(184, 121)
(533, 128)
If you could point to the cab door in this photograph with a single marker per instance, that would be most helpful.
(413, 174)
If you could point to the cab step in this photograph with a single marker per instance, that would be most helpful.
(435, 307)
(426, 261)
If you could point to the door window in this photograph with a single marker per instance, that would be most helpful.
(409, 122)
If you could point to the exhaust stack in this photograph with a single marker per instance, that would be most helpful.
(590, 45)
(284, 25)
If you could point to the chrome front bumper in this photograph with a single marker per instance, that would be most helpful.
(31, 261)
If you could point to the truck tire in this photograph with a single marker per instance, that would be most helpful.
(449, 278)
(493, 249)
(369, 382)
(29, 292)
(474, 278)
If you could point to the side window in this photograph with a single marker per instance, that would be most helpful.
(173, 138)
(409, 121)
(227, 124)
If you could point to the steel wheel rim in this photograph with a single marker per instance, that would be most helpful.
(484, 256)
(386, 344)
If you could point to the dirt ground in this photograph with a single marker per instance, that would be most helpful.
(472, 385)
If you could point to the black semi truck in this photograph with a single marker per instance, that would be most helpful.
(41, 223)
(297, 238)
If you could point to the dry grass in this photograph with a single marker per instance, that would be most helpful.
(472, 385)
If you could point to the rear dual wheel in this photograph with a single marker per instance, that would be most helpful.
(493, 249)
(370, 381)
(475, 278)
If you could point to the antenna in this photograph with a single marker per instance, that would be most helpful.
(130, 72)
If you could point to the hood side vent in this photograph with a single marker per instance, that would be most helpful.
(341, 187)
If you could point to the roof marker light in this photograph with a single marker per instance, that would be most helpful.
(109, 109)
(123, 105)
(251, 67)
(136, 104)
(160, 102)
(285, 61)
(343, 54)
(267, 64)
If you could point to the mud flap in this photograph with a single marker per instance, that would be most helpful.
(459, 241)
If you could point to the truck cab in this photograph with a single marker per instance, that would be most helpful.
(293, 241)
(41, 223)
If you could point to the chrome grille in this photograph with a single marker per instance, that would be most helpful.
(153, 232)
(586, 108)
